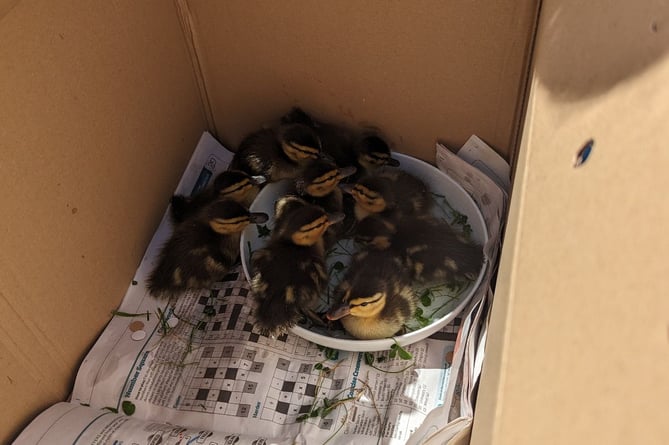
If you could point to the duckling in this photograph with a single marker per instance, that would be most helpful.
(202, 249)
(431, 249)
(318, 185)
(376, 296)
(390, 192)
(364, 150)
(277, 153)
(289, 274)
(232, 184)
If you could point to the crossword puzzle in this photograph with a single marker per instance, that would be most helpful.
(231, 368)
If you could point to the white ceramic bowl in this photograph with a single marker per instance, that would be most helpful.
(445, 304)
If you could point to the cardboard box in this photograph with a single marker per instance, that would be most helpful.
(102, 103)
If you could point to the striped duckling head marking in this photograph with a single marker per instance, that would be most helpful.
(226, 217)
(321, 177)
(371, 195)
(373, 152)
(302, 223)
(299, 142)
(237, 185)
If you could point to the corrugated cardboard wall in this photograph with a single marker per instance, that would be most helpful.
(579, 337)
(99, 115)
(421, 71)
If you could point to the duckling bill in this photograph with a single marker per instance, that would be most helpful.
(289, 274)
(202, 249)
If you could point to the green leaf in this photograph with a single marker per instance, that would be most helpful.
(331, 354)
(425, 300)
(404, 354)
(369, 358)
(302, 418)
(393, 353)
(128, 407)
(419, 312)
(318, 366)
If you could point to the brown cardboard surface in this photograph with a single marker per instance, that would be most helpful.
(421, 71)
(578, 345)
(99, 115)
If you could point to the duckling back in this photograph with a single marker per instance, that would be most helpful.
(431, 249)
(277, 153)
(202, 249)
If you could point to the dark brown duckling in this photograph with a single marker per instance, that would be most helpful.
(431, 249)
(279, 153)
(289, 274)
(376, 297)
(230, 184)
(202, 249)
(390, 192)
(365, 150)
(319, 185)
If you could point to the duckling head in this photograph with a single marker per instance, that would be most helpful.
(226, 217)
(372, 152)
(298, 115)
(237, 185)
(321, 177)
(301, 223)
(376, 232)
(299, 142)
(372, 195)
(362, 307)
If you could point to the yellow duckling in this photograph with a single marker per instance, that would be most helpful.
(376, 297)
(230, 184)
(202, 249)
(390, 192)
(289, 275)
(277, 153)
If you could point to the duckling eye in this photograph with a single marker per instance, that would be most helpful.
(364, 304)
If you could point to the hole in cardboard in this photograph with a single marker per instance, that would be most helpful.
(583, 153)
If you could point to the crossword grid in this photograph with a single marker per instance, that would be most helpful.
(229, 368)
